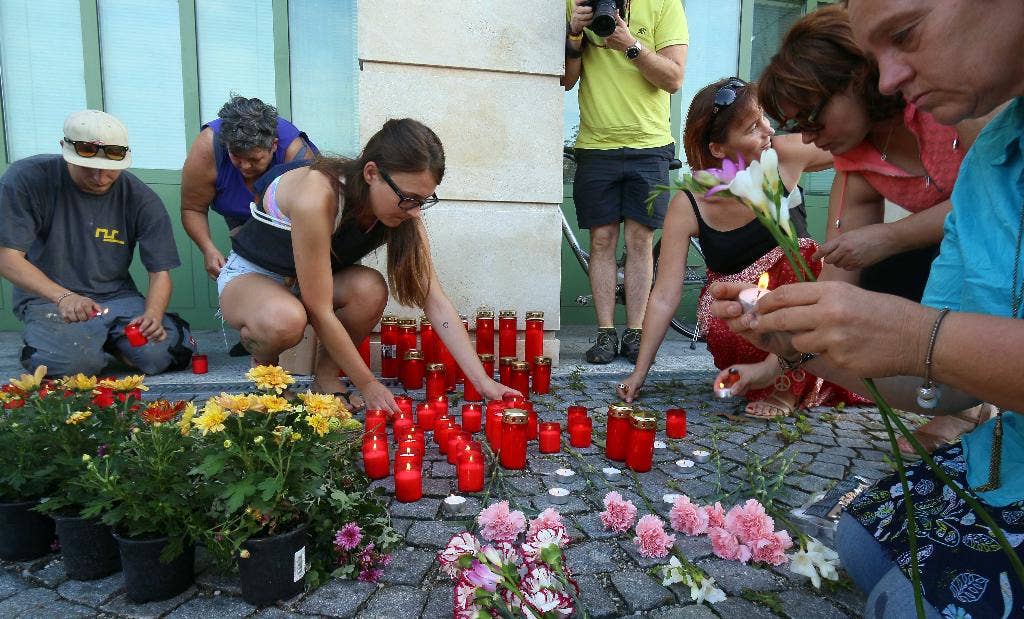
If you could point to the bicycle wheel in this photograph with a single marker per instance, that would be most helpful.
(693, 283)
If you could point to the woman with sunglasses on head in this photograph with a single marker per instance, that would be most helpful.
(725, 122)
(309, 230)
(822, 86)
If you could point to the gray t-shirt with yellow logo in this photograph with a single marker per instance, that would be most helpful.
(82, 241)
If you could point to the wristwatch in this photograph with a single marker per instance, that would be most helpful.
(633, 51)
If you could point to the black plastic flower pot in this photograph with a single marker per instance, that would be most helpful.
(89, 549)
(146, 578)
(275, 568)
(24, 534)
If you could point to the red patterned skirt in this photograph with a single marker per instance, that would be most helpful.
(729, 349)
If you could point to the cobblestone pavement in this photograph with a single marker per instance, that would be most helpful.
(825, 446)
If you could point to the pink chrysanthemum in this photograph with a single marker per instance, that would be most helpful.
(618, 514)
(725, 545)
(651, 540)
(371, 574)
(688, 518)
(348, 537)
(498, 523)
(749, 522)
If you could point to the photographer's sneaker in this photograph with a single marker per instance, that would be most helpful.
(631, 344)
(605, 349)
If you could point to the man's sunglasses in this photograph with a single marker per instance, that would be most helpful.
(810, 124)
(405, 202)
(90, 149)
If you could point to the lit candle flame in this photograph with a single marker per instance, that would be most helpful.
(721, 385)
(762, 282)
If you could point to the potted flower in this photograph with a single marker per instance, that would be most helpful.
(144, 492)
(263, 463)
(83, 422)
(26, 469)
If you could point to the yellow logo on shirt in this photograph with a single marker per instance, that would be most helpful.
(109, 236)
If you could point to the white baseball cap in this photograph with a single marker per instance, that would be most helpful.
(96, 128)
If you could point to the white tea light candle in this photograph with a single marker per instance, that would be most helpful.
(611, 473)
(701, 456)
(559, 496)
(660, 445)
(670, 498)
(565, 472)
(453, 504)
(685, 463)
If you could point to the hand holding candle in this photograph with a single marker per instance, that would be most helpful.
(723, 389)
(748, 298)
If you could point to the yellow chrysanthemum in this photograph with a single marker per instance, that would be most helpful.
(319, 423)
(274, 403)
(185, 425)
(30, 382)
(270, 378)
(77, 418)
(239, 403)
(324, 404)
(281, 434)
(212, 419)
(128, 383)
(79, 382)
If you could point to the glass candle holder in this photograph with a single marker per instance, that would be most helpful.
(487, 360)
(428, 340)
(519, 375)
(376, 422)
(485, 333)
(532, 425)
(534, 345)
(408, 484)
(470, 472)
(404, 458)
(640, 455)
(200, 364)
(471, 416)
(542, 375)
(426, 416)
(436, 385)
(617, 434)
(134, 334)
(505, 370)
(513, 439)
(402, 424)
(675, 423)
(499, 427)
(469, 392)
(575, 412)
(581, 433)
(406, 336)
(550, 437)
(413, 370)
(389, 347)
(457, 444)
(507, 333)
(441, 429)
(450, 368)
(493, 407)
(404, 403)
(375, 460)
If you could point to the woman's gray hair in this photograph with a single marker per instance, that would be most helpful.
(248, 124)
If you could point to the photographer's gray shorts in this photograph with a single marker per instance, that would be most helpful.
(612, 185)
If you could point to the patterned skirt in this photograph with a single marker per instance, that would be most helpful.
(964, 571)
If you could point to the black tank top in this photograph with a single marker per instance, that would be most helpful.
(734, 250)
(271, 248)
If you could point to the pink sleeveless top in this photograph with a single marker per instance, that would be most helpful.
(941, 155)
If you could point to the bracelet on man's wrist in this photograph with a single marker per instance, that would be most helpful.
(64, 295)
(574, 37)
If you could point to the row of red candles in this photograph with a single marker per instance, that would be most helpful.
(510, 424)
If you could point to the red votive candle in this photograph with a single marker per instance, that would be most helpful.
(200, 364)
(376, 422)
(520, 377)
(460, 375)
(134, 334)
(443, 433)
(505, 370)
(576, 412)
(581, 432)
(405, 458)
(389, 347)
(550, 437)
(511, 400)
(375, 460)
(436, 385)
(440, 404)
(428, 340)
(364, 353)
(507, 333)
(406, 337)
(471, 417)
(513, 439)
(640, 454)
(617, 435)
(402, 424)
(542, 375)
(410, 445)
(493, 407)
(675, 423)
(495, 437)
(534, 336)
(531, 421)
(425, 416)
(440, 423)
(404, 403)
(456, 445)
(487, 360)
(451, 369)
(413, 370)
(470, 472)
(485, 333)
(408, 484)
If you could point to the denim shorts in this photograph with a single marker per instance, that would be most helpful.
(237, 265)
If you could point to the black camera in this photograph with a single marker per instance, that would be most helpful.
(604, 15)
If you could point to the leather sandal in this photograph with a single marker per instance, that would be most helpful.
(769, 409)
(942, 432)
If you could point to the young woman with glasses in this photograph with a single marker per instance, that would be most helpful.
(726, 122)
(296, 261)
(822, 86)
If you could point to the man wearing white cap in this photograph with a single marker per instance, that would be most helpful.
(71, 223)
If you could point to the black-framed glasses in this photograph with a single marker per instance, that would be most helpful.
(90, 149)
(810, 124)
(405, 202)
(726, 94)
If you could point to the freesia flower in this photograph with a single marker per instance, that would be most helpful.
(816, 561)
(747, 186)
(348, 537)
(749, 522)
(270, 378)
(727, 546)
(726, 174)
(673, 572)
(618, 514)
(497, 522)
(651, 540)
(706, 592)
(481, 576)
(501, 553)
(688, 518)
(770, 166)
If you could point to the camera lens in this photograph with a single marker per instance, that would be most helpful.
(604, 18)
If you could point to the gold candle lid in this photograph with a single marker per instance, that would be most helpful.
(520, 365)
(486, 357)
(507, 313)
(535, 315)
(643, 421)
(506, 360)
(407, 322)
(620, 410)
(424, 321)
(542, 360)
(390, 319)
(485, 312)
(515, 416)
(414, 355)
(435, 367)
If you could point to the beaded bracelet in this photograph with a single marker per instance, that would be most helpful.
(64, 295)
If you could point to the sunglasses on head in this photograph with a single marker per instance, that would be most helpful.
(405, 202)
(726, 94)
(90, 149)
(809, 124)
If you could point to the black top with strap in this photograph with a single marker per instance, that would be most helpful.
(732, 251)
(271, 248)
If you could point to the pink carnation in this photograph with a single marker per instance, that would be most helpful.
(651, 539)
(725, 545)
(749, 522)
(548, 519)
(498, 523)
(687, 517)
(716, 515)
(618, 515)
(772, 549)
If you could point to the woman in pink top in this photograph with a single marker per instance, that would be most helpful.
(821, 85)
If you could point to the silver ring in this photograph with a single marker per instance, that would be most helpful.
(622, 386)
